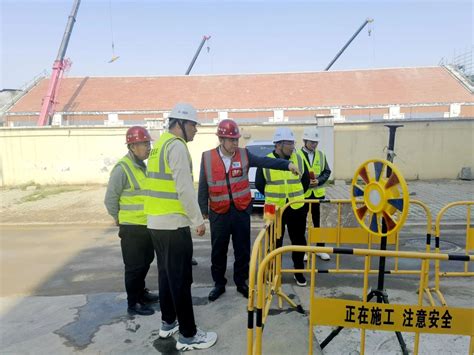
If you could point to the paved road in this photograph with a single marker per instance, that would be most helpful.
(67, 260)
(62, 291)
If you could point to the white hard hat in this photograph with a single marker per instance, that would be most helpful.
(311, 134)
(183, 111)
(283, 134)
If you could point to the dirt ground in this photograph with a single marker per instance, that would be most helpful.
(53, 204)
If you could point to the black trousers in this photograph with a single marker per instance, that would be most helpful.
(137, 254)
(295, 221)
(315, 213)
(234, 223)
(174, 251)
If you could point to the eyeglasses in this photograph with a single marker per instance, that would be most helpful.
(288, 142)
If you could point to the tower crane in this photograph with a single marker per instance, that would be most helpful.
(367, 21)
(204, 39)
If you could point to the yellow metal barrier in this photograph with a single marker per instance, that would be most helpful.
(389, 317)
(469, 245)
(356, 235)
(380, 205)
(266, 242)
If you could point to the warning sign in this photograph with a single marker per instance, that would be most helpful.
(393, 317)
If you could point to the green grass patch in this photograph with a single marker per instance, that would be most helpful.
(24, 186)
(44, 192)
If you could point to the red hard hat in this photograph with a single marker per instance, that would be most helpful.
(137, 134)
(228, 129)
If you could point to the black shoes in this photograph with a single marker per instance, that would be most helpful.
(194, 262)
(140, 309)
(216, 292)
(244, 290)
(148, 297)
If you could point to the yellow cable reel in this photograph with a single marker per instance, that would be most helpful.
(376, 198)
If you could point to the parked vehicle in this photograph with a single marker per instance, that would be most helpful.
(261, 148)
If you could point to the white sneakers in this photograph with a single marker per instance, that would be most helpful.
(322, 256)
(201, 340)
(168, 330)
(300, 279)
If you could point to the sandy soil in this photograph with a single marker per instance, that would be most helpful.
(65, 204)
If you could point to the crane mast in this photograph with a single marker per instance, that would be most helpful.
(59, 65)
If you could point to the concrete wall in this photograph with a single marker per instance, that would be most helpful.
(425, 150)
(59, 156)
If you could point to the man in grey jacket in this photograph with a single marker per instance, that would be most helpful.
(124, 202)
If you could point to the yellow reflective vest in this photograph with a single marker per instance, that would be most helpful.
(162, 197)
(131, 200)
(319, 161)
(283, 185)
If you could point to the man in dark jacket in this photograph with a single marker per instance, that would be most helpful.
(318, 167)
(224, 197)
(280, 188)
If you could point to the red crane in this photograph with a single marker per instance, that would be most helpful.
(59, 66)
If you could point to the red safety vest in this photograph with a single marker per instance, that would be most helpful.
(222, 185)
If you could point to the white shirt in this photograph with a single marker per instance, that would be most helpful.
(310, 155)
(226, 159)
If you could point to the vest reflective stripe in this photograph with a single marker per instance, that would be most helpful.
(162, 197)
(161, 194)
(162, 174)
(132, 207)
(132, 180)
(283, 185)
(319, 161)
(275, 182)
(284, 195)
(159, 176)
(133, 193)
(132, 199)
(221, 182)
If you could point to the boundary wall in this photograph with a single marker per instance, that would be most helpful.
(435, 149)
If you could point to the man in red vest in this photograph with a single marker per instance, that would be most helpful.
(224, 197)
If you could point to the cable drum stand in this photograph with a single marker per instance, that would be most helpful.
(382, 199)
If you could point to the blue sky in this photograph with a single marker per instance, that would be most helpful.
(160, 37)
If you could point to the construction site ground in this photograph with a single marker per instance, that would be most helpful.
(62, 289)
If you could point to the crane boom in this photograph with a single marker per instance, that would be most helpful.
(204, 39)
(59, 65)
(369, 20)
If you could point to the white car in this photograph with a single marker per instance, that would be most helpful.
(262, 149)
